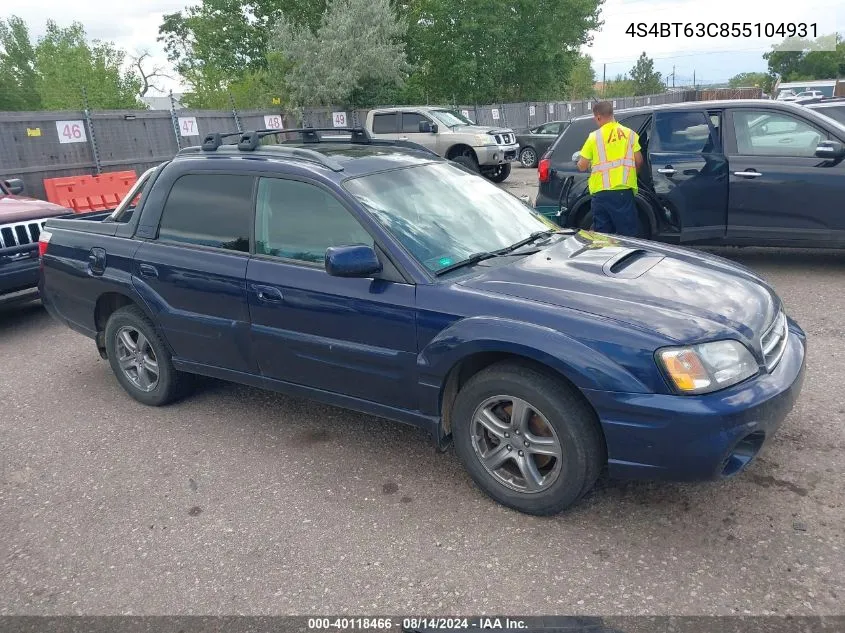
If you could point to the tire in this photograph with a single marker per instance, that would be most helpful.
(528, 157)
(468, 162)
(129, 325)
(499, 173)
(557, 419)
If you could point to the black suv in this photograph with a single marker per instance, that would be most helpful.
(747, 172)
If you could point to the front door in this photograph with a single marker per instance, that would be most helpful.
(351, 336)
(689, 172)
(779, 189)
(411, 130)
(193, 275)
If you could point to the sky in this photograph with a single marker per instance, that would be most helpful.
(133, 26)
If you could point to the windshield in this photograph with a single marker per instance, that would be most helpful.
(442, 214)
(450, 118)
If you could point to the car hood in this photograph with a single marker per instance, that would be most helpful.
(20, 209)
(481, 129)
(684, 295)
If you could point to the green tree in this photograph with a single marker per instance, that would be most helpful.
(811, 62)
(764, 81)
(66, 62)
(476, 51)
(221, 45)
(356, 52)
(18, 77)
(582, 78)
(619, 87)
(645, 79)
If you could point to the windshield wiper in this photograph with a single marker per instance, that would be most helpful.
(536, 235)
(472, 259)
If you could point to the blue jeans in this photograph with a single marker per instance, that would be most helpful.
(615, 212)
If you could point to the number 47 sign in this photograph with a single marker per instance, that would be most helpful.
(71, 131)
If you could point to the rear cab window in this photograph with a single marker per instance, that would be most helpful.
(211, 210)
(386, 123)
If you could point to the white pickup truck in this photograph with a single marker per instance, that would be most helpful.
(486, 150)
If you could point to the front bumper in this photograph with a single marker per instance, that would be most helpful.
(18, 277)
(687, 438)
(497, 154)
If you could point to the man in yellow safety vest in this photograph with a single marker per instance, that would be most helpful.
(612, 154)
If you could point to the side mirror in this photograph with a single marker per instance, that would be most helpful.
(352, 261)
(427, 127)
(14, 185)
(831, 150)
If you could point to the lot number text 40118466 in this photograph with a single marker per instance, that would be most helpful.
(722, 29)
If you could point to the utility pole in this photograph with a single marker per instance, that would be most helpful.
(673, 76)
(694, 86)
(603, 79)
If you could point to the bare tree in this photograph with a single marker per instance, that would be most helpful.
(148, 75)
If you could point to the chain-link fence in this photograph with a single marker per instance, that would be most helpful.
(39, 145)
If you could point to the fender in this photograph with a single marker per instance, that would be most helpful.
(585, 367)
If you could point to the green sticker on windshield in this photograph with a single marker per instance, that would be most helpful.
(444, 261)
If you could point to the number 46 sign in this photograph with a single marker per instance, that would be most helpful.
(71, 131)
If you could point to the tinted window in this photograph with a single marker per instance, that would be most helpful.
(300, 221)
(572, 139)
(385, 123)
(767, 133)
(209, 209)
(836, 113)
(634, 122)
(681, 132)
(411, 121)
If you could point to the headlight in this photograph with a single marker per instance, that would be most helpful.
(707, 367)
(484, 139)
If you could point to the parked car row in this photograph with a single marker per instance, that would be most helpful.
(374, 275)
(749, 172)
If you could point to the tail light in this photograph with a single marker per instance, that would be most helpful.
(544, 169)
(43, 242)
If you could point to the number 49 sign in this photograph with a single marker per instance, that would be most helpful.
(71, 131)
(339, 119)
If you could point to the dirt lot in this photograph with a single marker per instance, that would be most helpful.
(241, 501)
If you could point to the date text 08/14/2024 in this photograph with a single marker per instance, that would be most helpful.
(416, 623)
(722, 29)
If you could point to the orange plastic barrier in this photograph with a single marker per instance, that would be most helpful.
(90, 193)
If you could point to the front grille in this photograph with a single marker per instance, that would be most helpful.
(505, 139)
(773, 341)
(20, 234)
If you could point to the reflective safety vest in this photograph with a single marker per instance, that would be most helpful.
(614, 166)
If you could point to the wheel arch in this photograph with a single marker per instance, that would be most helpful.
(107, 304)
(644, 206)
(461, 149)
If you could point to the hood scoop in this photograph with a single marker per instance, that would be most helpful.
(631, 263)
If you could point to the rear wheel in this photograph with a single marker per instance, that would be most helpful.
(528, 157)
(527, 439)
(499, 173)
(585, 222)
(139, 358)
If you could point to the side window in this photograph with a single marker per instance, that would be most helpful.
(297, 220)
(687, 132)
(386, 123)
(552, 128)
(411, 121)
(209, 210)
(762, 133)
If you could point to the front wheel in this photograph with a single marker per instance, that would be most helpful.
(499, 173)
(527, 439)
(139, 358)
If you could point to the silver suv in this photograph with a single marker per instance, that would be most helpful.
(489, 151)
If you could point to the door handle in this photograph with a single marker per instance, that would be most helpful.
(147, 270)
(268, 294)
(668, 170)
(748, 174)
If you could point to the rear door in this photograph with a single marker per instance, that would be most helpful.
(386, 125)
(193, 274)
(779, 189)
(689, 172)
(350, 336)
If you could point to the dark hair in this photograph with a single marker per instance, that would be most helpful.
(603, 108)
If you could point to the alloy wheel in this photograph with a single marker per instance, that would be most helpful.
(137, 358)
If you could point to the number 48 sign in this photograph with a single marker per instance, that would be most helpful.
(71, 131)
